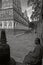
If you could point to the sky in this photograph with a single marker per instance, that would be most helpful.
(25, 7)
(24, 4)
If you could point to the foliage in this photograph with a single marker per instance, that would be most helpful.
(31, 25)
(36, 6)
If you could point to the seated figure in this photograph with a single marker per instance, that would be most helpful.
(35, 57)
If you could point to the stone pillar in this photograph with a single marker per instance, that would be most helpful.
(5, 58)
(3, 37)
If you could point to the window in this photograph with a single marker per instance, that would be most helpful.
(0, 3)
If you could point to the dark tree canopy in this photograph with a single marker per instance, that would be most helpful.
(36, 5)
(42, 9)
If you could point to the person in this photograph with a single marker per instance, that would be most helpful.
(35, 57)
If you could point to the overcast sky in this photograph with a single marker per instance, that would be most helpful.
(24, 4)
(25, 7)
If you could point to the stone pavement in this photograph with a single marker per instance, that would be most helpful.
(18, 63)
(21, 45)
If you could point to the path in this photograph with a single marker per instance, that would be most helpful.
(20, 45)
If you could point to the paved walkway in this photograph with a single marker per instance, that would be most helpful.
(18, 63)
(20, 45)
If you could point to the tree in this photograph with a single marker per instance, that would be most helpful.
(42, 9)
(31, 25)
(36, 6)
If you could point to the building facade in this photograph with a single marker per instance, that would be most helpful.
(7, 12)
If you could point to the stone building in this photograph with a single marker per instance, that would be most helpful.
(6, 12)
(10, 12)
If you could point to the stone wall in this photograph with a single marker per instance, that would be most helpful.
(6, 14)
(17, 3)
(7, 4)
(40, 31)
